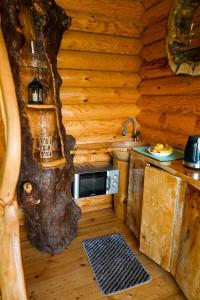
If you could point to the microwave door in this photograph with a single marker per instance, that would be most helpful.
(92, 184)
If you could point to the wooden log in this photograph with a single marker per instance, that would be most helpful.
(156, 13)
(51, 215)
(120, 199)
(153, 51)
(155, 69)
(153, 136)
(149, 3)
(109, 8)
(68, 59)
(102, 147)
(11, 127)
(98, 112)
(70, 92)
(98, 95)
(78, 100)
(103, 24)
(90, 158)
(188, 266)
(95, 127)
(2, 140)
(178, 85)
(183, 124)
(154, 33)
(171, 122)
(101, 139)
(11, 271)
(151, 119)
(83, 41)
(170, 104)
(100, 150)
(86, 78)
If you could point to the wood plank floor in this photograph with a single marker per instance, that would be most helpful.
(67, 276)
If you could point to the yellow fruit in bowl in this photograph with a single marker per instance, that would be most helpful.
(154, 150)
(159, 146)
(162, 149)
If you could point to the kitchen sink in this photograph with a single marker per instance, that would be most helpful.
(121, 152)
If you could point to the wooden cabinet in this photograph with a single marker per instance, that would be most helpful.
(160, 213)
(188, 263)
(135, 194)
(164, 213)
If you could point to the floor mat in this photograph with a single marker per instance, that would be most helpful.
(114, 264)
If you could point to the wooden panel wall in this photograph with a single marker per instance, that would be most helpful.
(170, 107)
(99, 62)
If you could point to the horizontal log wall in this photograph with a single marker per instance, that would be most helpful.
(169, 105)
(99, 62)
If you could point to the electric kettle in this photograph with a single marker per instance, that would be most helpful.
(192, 152)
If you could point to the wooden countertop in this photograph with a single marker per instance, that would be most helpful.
(174, 167)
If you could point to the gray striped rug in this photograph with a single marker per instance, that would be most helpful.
(114, 264)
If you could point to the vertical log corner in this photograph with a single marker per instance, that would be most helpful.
(51, 214)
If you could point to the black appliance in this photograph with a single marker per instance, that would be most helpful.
(192, 152)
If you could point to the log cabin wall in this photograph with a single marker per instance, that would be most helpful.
(99, 62)
(169, 104)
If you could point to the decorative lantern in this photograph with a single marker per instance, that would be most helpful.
(35, 92)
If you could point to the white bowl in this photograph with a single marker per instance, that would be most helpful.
(159, 154)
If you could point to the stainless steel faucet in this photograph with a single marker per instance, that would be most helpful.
(134, 132)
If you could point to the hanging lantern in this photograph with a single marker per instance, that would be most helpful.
(35, 92)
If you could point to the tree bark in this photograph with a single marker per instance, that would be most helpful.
(51, 214)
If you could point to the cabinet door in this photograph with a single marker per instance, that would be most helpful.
(135, 194)
(188, 266)
(161, 193)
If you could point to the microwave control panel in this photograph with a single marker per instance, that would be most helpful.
(112, 185)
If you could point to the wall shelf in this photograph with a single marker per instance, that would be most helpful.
(41, 106)
(54, 163)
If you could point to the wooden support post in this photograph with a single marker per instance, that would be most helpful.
(11, 269)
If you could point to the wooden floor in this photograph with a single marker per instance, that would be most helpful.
(67, 276)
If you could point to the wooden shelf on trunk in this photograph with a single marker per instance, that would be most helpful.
(54, 163)
(41, 106)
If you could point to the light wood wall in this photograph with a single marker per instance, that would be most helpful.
(170, 107)
(99, 62)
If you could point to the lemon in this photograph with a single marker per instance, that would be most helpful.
(159, 146)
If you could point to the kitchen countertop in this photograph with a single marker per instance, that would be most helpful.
(174, 167)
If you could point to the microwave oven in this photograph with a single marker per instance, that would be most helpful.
(93, 179)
